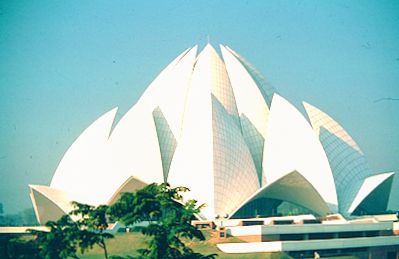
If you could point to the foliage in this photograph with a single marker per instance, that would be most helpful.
(162, 206)
(169, 219)
(66, 236)
(61, 241)
(92, 222)
(14, 246)
(25, 217)
(142, 205)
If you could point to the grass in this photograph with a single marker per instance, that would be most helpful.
(124, 244)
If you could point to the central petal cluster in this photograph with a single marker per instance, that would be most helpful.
(215, 126)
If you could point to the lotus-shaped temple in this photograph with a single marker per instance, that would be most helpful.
(211, 123)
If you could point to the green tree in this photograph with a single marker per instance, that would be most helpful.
(169, 217)
(16, 246)
(92, 222)
(66, 236)
(61, 241)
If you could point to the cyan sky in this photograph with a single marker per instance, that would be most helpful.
(64, 63)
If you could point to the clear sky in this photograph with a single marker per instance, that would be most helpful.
(64, 63)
